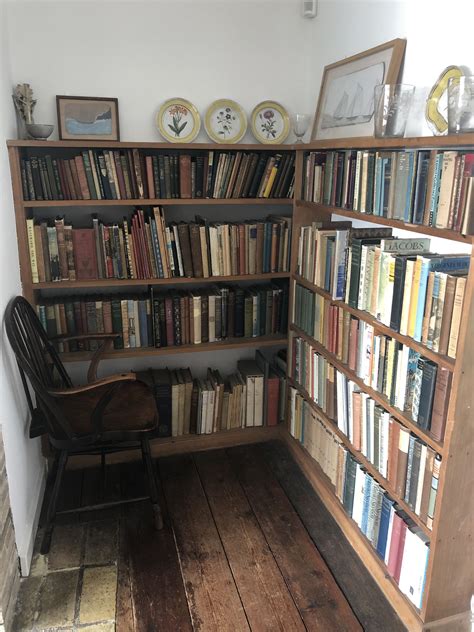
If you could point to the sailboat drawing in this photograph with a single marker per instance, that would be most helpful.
(351, 98)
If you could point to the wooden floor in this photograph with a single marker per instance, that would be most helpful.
(247, 545)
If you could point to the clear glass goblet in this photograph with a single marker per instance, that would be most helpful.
(300, 126)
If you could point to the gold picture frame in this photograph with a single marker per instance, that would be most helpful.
(345, 104)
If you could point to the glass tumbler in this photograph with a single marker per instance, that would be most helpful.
(461, 105)
(392, 104)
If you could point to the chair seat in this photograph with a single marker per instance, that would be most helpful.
(132, 408)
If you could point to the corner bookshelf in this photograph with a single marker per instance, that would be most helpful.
(449, 582)
(449, 579)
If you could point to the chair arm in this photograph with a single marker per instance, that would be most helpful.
(97, 357)
(75, 390)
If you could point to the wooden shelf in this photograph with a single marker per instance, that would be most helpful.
(375, 395)
(138, 352)
(441, 360)
(162, 202)
(162, 146)
(361, 458)
(409, 614)
(456, 141)
(165, 446)
(444, 233)
(114, 283)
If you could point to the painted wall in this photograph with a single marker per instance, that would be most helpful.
(25, 465)
(438, 34)
(144, 52)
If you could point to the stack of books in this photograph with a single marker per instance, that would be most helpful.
(430, 188)
(398, 281)
(145, 247)
(398, 541)
(172, 318)
(130, 174)
(406, 380)
(192, 405)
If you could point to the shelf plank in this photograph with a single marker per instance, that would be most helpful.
(168, 147)
(166, 446)
(441, 360)
(110, 283)
(361, 458)
(444, 233)
(321, 484)
(455, 141)
(375, 395)
(231, 343)
(162, 202)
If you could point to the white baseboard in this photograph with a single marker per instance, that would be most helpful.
(25, 548)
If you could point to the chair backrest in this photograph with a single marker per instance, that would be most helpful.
(38, 360)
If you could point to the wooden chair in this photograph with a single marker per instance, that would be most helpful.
(106, 415)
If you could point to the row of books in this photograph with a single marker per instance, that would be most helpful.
(164, 319)
(430, 188)
(398, 281)
(395, 537)
(130, 174)
(253, 395)
(407, 380)
(403, 459)
(145, 247)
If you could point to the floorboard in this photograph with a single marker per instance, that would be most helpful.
(369, 604)
(149, 567)
(262, 589)
(320, 601)
(213, 599)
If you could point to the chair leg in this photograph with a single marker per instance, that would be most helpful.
(152, 483)
(51, 513)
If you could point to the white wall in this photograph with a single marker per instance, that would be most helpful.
(438, 34)
(146, 52)
(25, 465)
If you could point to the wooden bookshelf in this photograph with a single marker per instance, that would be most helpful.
(124, 283)
(380, 328)
(161, 202)
(140, 352)
(399, 415)
(449, 580)
(444, 233)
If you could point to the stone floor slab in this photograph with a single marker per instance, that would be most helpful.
(58, 599)
(101, 542)
(27, 604)
(99, 588)
(66, 546)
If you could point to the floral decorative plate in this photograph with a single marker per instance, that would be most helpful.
(270, 122)
(225, 121)
(178, 121)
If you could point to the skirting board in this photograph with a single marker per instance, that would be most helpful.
(25, 549)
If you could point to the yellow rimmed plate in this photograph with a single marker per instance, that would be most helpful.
(225, 121)
(178, 121)
(270, 122)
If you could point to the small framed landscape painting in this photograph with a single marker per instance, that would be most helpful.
(87, 118)
(346, 99)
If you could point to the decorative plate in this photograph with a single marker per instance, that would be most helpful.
(270, 122)
(437, 102)
(225, 121)
(178, 121)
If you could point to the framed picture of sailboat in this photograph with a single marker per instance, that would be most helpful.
(346, 99)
